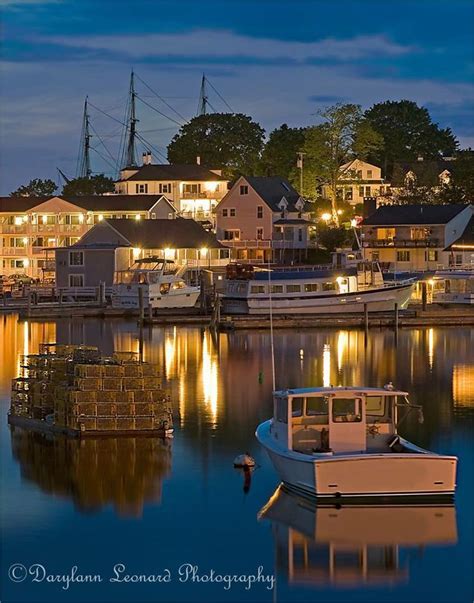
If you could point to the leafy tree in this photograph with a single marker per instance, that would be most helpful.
(460, 188)
(280, 152)
(232, 141)
(95, 185)
(330, 238)
(36, 188)
(344, 135)
(408, 132)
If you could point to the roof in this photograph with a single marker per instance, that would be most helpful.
(272, 189)
(466, 239)
(393, 215)
(293, 275)
(175, 171)
(181, 233)
(382, 391)
(85, 202)
(427, 171)
(293, 222)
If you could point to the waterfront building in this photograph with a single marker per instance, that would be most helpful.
(194, 190)
(417, 237)
(114, 245)
(32, 227)
(358, 180)
(264, 219)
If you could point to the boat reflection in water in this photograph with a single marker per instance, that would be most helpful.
(351, 545)
(125, 472)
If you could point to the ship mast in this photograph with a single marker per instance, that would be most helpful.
(130, 159)
(84, 165)
(203, 101)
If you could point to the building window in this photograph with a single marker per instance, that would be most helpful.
(164, 188)
(361, 191)
(194, 189)
(369, 174)
(232, 212)
(225, 213)
(368, 191)
(141, 189)
(244, 189)
(349, 194)
(431, 255)
(259, 234)
(403, 256)
(359, 174)
(375, 256)
(76, 280)
(76, 258)
(418, 234)
(231, 235)
(259, 211)
(300, 234)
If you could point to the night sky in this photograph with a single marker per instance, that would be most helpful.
(278, 61)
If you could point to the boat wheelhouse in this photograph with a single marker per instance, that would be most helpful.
(161, 282)
(311, 290)
(453, 287)
(343, 442)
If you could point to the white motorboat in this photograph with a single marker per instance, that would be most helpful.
(312, 290)
(351, 545)
(161, 282)
(334, 442)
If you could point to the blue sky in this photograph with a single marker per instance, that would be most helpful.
(276, 60)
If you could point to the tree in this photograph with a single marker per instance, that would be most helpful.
(230, 141)
(343, 136)
(280, 152)
(95, 185)
(408, 133)
(36, 188)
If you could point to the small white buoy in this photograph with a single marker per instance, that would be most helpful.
(244, 460)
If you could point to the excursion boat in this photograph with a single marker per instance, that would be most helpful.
(342, 442)
(351, 545)
(312, 290)
(161, 282)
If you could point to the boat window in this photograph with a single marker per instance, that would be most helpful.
(293, 288)
(277, 289)
(317, 407)
(346, 410)
(179, 285)
(142, 279)
(257, 289)
(329, 286)
(164, 288)
(376, 407)
(297, 407)
(281, 410)
(311, 287)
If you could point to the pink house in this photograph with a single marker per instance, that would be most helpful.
(264, 218)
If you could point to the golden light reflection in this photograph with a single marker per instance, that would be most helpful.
(170, 352)
(342, 345)
(209, 377)
(326, 365)
(463, 385)
(431, 336)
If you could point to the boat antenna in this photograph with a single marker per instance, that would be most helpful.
(132, 126)
(84, 164)
(272, 343)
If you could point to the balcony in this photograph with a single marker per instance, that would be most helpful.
(14, 251)
(247, 244)
(13, 228)
(395, 242)
(201, 195)
(199, 216)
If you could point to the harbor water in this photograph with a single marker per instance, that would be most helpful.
(141, 519)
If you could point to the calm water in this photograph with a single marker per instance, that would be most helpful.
(150, 506)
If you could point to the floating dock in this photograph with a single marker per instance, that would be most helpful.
(75, 391)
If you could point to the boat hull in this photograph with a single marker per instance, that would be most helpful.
(376, 300)
(127, 297)
(370, 475)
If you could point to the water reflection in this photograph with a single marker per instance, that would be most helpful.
(126, 473)
(352, 546)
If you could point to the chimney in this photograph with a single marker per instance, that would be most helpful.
(370, 205)
(198, 160)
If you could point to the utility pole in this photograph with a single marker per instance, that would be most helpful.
(299, 164)
(202, 107)
(84, 167)
(132, 128)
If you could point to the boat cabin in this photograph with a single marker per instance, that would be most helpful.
(147, 271)
(337, 420)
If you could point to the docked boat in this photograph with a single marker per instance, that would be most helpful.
(454, 286)
(161, 282)
(353, 545)
(312, 290)
(334, 442)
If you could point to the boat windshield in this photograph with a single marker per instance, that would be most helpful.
(145, 272)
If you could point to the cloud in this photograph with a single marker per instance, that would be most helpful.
(212, 44)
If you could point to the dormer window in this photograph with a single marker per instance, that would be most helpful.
(244, 189)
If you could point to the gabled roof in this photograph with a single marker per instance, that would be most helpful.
(466, 240)
(175, 171)
(180, 233)
(84, 202)
(427, 171)
(272, 189)
(393, 215)
(21, 204)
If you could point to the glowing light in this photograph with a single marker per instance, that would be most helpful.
(326, 365)
(340, 280)
(101, 217)
(326, 217)
(353, 223)
(301, 354)
(169, 253)
(25, 218)
(211, 186)
(18, 220)
(81, 218)
(25, 240)
(430, 347)
(431, 282)
(203, 252)
(138, 217)
(44, 219)
(339, 212)
(136, 252)
(26, 263)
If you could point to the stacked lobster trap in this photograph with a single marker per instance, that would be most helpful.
(75, 388)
